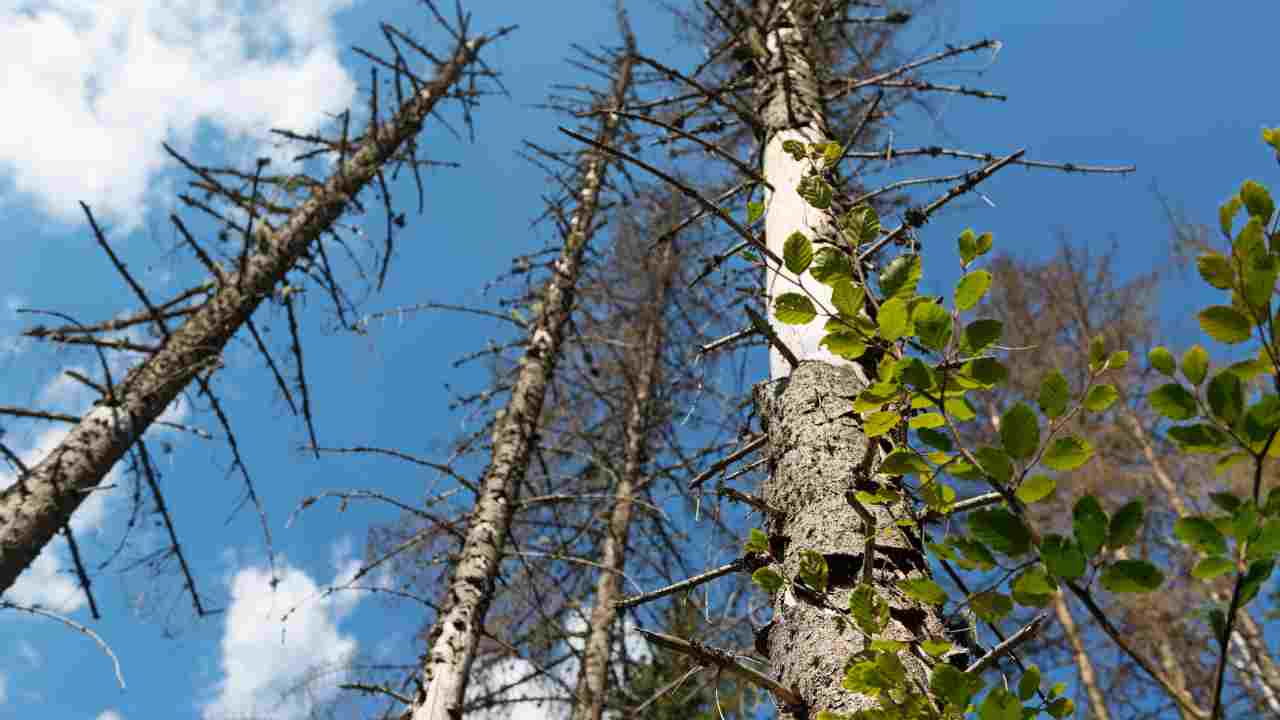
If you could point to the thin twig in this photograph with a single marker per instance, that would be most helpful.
(724, 661)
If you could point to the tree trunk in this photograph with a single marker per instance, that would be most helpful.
(456, 633)
(817, 448)
(1088, 678)
(590, 696)
(41, 502)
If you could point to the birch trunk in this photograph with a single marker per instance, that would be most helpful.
(39, 504)
(817, 448)
(593, 678)
(456, 633)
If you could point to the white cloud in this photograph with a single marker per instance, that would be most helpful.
(102, 84)
(263, 660)
(109, 715)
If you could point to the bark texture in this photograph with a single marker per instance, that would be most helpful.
(593, 678)
(456, 634)
(39, 504)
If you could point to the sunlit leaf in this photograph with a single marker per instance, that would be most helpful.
(847, 297)
(1162, 360)
(1201, 534)
(794, 309)
(1055, 393)
(971, 288)
(933, 325)
(901, 276)
(1195, 363)
(1226, 396)
(924, 590)
(797, 253)
(1100, 397)
(893, 319)
(1036, 488)
(1216, 270)
(1173, 401)
(1067, 453)
(1225, 324)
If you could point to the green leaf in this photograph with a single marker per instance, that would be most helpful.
(984, 243)
(1125, 524)
(794, 309)
(862, 225)
(1055, 393)
(1061, 707)
(1173, 401)
(846, 345)
(1089, 523)
(879, 423)
(1254, 577)
(1119, 360)
(995, 463)
(1195, 363)
(1029, 683)
(952, 685)
(1199, 438)
(936, 648)
(933, 325)
(1201, 534)
(1000, 704)
(870, 612)
(1097, 353)
(1062, 557)
(935, 439)
(1226, 396)
(813, 570)
(1020, 432)
(1001, 531)
(768, 580)
(959, 408)
(830, 265)
(795, 149)
(755, 210)
(797, 253)
(903, 462)
(980, 335)
(1260, 281)
(1227, 213)
(1101, 397)
(757, 542)
(1036, 488)
(1267, 543)
(990, 606)
(1216, 270)
(815, 191)
(1034, 587)
(968, 245)
(1211, 567)
(847, 297)
(901, 277)
(1067, 453)
(971, 288)
(987, 371)
(1161, 359)
(1131, 576)
(1257, 200)
(893, 319)
(1225, 324)
(924, 590)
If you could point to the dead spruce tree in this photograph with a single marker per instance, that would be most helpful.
(278, 236)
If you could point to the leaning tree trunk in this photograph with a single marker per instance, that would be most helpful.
(818, 451)
(42, 501)
(590, 696)
(456, 634)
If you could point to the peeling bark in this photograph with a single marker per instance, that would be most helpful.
(33, 509)
(456, 634)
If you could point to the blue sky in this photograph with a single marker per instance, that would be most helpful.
(1179, 89)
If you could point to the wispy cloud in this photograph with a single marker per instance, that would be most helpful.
(101, 84)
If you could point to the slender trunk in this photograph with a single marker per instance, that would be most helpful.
(40, 503)
(456, 634)
(590, 695)
(817, 447)
(1088, 678)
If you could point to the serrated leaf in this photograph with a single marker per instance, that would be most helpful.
(1126, 524)
(1020, 432)
(901, 277)
(830, 266)
(1062, 557)
(933, 325)
(893, 319)
(923, 590)
(1195, 363)
(847, 297)
(1200, 533)
(1173, 401)
(1036, 488)
(794, 309)
(980, 335)
(1067, 453)
(1216, 270)
(1089, 523)
(1055, 393)
(1226, 396)
(870, 612)
(971, 288)
(846, 345)
(1211, 567)
(879, 423)
(797, 253)
(815, 191)
(1225, 324)
(1162, 360)
(1100, 397)
(1131, 576)
(1000, 530)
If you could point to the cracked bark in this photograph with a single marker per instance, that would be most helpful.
(456, 634)
(39, 504)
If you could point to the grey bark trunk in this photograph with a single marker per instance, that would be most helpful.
(594, 675)
(817, 448)
(39, 504)
(456, 633)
